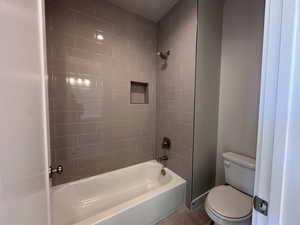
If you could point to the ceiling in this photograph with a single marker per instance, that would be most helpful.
(151, 9)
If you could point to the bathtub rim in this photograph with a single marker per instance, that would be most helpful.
(62, 186)
(175, 181)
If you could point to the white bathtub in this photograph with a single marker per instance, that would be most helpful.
(135, 195)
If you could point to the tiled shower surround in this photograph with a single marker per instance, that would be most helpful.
(175, 87)
(94, 128)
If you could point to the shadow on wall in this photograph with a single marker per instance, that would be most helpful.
(164, 65)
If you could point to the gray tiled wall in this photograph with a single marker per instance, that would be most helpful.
(175, 87)
(94, 128)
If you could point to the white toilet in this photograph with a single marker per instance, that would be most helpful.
(232, 204)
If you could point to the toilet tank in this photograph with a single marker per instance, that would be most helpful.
(239, 172)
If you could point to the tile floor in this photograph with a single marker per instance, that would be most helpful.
(187, 217)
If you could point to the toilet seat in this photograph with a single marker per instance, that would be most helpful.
(228, 205)
(219, 220)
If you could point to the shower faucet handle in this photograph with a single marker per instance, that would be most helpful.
(166, 143)
(58, 170)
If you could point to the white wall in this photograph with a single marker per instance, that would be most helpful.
(23, 184)
(240, 79)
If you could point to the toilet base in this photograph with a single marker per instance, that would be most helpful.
(221, 221)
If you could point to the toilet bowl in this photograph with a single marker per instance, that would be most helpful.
(228, 206)
(232, 204)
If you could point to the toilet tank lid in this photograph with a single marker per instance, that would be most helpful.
(240, 159)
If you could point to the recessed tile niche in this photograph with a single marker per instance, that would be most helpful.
(139, 93)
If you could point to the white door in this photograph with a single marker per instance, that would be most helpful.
(278, 153)
(24, 186)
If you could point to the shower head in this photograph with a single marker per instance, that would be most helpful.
(164, 55)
